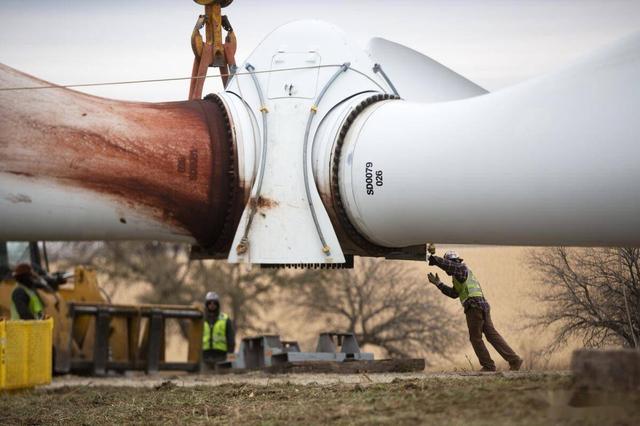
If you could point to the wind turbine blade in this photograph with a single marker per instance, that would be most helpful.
(552, 161)
(78, 167)
(419, 78)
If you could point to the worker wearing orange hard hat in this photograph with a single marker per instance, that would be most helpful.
(25, 302)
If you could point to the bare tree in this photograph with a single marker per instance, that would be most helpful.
(383, 305)
(243, 291)
(174, 279)
(120, 264)
(592, 294)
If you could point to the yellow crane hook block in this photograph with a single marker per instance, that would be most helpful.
(25, 353)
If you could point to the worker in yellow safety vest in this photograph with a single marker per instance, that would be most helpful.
(466, 287)
(25, 302)
(218, 337)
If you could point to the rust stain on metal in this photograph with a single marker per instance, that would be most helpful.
(17, 173)
(18, 198)
(263, 203)
(124, 150)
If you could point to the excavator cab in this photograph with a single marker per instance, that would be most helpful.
(11, 254)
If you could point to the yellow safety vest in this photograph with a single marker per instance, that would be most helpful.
(35, 304)
(469, 288)
(215, 337)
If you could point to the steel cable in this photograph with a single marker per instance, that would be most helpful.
(160, 80)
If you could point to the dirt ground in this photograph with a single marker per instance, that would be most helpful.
(422, 398)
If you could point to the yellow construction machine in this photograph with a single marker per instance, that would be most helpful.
(90, 334)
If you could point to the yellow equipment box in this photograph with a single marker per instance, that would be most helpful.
(25, 353)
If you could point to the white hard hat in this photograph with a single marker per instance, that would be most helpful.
(452, 255)
(212, 296)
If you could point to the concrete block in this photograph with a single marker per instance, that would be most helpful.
(607, 370)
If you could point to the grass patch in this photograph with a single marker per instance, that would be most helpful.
(466, 401)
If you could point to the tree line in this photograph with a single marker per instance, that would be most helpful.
(381, 302)
(589, 294)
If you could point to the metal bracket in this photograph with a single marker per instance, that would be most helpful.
(255, 192)
(305, 166)
(377, 68)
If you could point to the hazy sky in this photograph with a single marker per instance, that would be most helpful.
(494, 43)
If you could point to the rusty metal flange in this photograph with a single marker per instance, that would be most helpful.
(225, 181)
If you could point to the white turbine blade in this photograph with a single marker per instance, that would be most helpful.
(551, 161)
(417, 77)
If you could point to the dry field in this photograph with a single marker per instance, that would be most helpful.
(443, 399)
(448, 394)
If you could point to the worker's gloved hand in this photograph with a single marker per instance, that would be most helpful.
(431, 260)
(431, 248)
(434, 278)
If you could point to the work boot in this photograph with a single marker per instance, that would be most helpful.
(488, 370)
(515, 366)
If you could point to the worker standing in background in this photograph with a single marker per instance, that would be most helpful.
(476, 308)
(218, 337)
(25, 302)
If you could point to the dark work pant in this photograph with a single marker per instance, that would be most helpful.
(479, 321)
(214, 355)
(210, 358)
